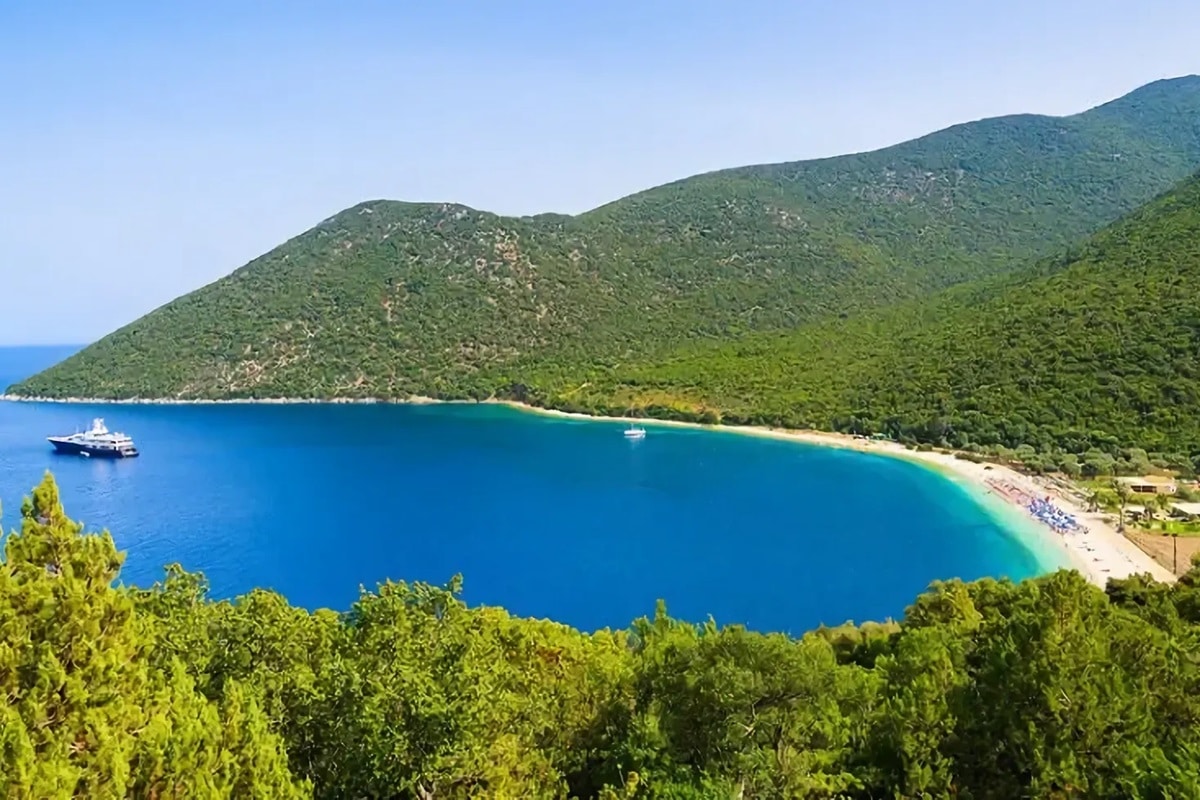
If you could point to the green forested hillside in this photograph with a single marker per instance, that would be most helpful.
(1049, 688)
(390, 299)
(1098, 348)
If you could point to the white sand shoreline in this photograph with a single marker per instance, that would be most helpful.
(1099, 552)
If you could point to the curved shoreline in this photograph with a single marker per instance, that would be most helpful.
(1098, 552)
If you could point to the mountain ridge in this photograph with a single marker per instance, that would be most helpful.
(394, 298)
(1095, 349)
(1185, 83)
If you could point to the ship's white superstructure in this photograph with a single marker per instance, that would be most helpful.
(96, 441)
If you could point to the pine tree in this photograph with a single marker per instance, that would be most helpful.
(85, 715)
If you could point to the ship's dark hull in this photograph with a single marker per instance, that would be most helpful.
(77, 449)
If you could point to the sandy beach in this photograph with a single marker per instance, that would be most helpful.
(1097, 549)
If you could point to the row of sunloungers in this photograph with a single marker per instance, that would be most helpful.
(1042, 509)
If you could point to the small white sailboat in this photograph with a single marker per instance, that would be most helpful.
(633, 432)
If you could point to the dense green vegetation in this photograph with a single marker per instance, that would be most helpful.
(391, 299)
(1049, 688)
(1090, 353)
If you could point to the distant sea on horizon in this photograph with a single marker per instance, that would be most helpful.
(548, 517)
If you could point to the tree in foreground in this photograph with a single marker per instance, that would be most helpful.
(1048, 688)
(83, 715)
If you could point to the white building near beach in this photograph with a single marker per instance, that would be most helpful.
(1151, 484)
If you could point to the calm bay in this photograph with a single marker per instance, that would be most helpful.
(548, 517)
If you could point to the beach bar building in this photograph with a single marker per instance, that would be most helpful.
(1151, 484)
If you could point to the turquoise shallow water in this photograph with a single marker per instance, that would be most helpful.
(548, 517)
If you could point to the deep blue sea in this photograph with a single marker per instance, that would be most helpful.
(548, 517)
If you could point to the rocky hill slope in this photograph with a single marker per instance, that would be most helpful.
(389, 299)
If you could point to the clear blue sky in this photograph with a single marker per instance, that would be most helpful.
(149, 148)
